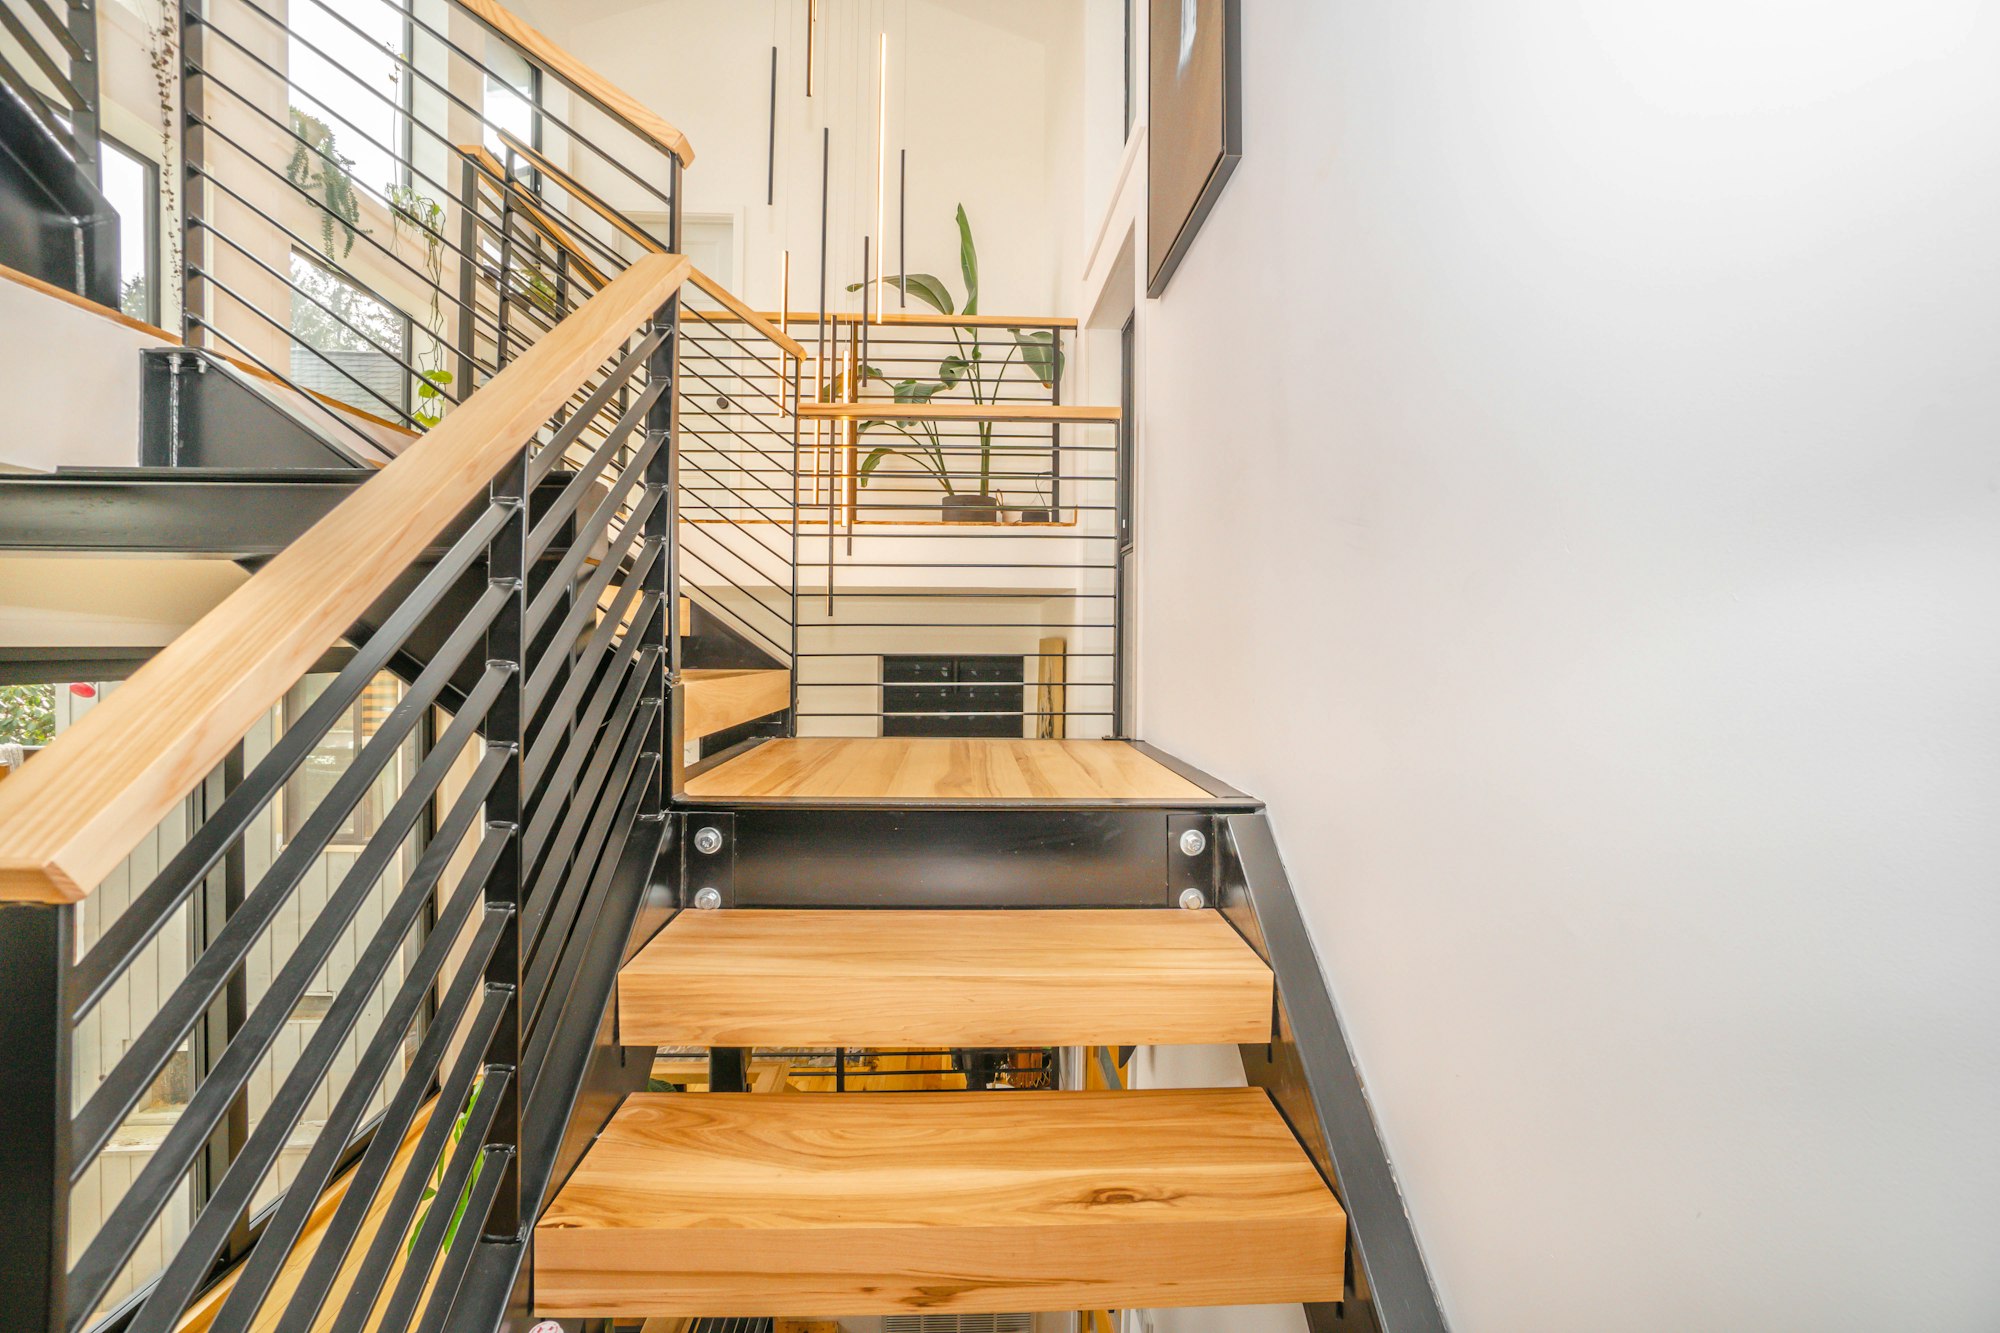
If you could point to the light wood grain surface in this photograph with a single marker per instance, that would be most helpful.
(595, 87)
(1044, 413)
(946, 978)
(71, 816)
(932, 768)
(822, 1204)
(929, 319)
(718, 699)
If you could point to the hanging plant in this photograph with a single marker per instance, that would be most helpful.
(162, 48)
(411, 208)
(318, 168)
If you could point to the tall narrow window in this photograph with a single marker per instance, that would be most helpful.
(350, 91)
(513, 101)
(132, 185)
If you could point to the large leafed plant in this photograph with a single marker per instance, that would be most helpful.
(966, 368)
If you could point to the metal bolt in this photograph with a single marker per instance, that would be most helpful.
(1194, 842)
(1192, 900)
(708, 899)
(708, 840)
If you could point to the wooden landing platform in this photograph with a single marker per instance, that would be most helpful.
(825, 1204)
(920, 770)
(949, 978)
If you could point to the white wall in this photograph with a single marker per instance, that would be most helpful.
(1570, 455)
(985, 98)
(71, 383)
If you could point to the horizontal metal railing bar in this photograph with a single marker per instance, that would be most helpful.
(38, 104)
(423, 1248)
(777, 403)
(608, 840)
(407, 15)
(234, 1192)
(197, 272)
(135, 1071)
(553, 926)
(1030, 656)
(346, 424)
(550, 454)
(560, 652)
(542, 748)
(65, 89)
(450, 1281)
(151, 1189)
(563, 778)
(968, 712)
(695, 319)
(550, 525)
(58, 29)
(266, 1262)
(136, 926)
(755, 598)
(781, 434)
(412, 371)
(310, 244)
(393, 1230)
(784, 557)
(629, 478)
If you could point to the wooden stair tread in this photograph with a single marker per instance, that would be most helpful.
(918, 769)
(980, 1202)
(954, 978)
(720, 698)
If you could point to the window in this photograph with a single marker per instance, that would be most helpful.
(132, 185)
(345, 66)
(333, 756)
(347, 344)
(513, 102)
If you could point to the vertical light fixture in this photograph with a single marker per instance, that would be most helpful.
(881, 153)
(812, 43)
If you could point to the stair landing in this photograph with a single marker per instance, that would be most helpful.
(960, 977)
(921, 770)
(823, 1204)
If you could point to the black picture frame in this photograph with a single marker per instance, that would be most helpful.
(1167, 198)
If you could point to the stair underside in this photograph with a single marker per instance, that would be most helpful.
(832, 1204)
(945, 978)
(718, 699)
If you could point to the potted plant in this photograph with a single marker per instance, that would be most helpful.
(967, 367)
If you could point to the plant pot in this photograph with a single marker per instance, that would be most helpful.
(971, 509)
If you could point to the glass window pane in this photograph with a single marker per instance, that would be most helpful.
(350, 80)
(131, 184)
(346, 344)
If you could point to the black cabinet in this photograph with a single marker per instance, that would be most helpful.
(930, 694)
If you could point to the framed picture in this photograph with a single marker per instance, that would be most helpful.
(1194, 123)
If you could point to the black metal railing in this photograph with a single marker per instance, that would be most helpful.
(363, 221)
(48, 59)
(410, 1018)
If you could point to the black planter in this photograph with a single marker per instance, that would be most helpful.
(971, 509)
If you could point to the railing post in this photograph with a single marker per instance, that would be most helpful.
(35, 1049)
(663, 525)
(506, 562)
(86, 119)
(468, 273)
(194, 241)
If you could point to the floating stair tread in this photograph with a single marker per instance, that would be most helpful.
(951, 978)
(920, 769)
(748, 1204)
(718, 698)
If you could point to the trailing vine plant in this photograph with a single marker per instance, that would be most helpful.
(410, 207)
(163, 55)
(318, 168)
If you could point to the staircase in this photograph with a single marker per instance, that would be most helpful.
(604, 553)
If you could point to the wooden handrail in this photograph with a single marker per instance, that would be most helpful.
(881, 410)
(528, 202)
(577, 189)
(597, 90)
(925, 319)
(69, 818)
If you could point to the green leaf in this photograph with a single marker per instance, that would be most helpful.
(952, 369)
(427, 390)
(873, 461)
(924, 286)
(1041, 355)
(917, 391)
(968, 263)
